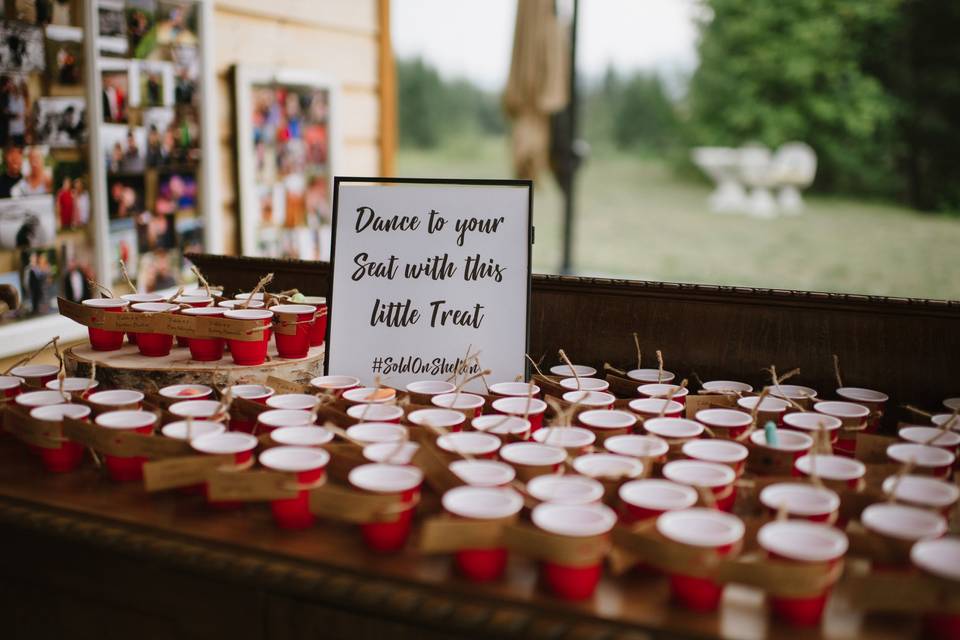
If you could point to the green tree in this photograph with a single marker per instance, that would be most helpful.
(772, 72)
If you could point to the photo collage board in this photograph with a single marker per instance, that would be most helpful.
(148, 61)
(46, 246)
(287, 146)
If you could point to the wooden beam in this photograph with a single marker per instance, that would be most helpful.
(388, 94)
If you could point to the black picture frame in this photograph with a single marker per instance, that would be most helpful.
(473, 182)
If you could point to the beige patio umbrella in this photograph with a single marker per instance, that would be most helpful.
(537, 86)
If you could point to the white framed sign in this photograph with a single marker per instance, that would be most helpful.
(422, 270)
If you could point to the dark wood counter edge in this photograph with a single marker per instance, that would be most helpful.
(648, 288)
(362, 593)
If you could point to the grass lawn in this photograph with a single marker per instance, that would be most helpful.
(637, 220)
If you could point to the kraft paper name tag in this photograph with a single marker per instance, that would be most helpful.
(784, 579)
(344, 457)
(181, 472)
(549, 385)
(246, 409)
(446, 534)
(649, 546)
(901, 591)
(286, 386)
(348, 505)
(435, 467)
(873, 448)
(622, 386)
(567, 550)
(768, 462)
(45, 434)
(109, 441)
(698, 402)
(252, 486)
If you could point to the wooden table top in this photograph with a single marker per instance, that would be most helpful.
(329, 561)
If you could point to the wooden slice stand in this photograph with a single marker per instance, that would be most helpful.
(127, 369)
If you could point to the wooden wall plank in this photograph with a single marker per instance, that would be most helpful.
(349, 15)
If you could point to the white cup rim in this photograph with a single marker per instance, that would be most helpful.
(729, 386)
(228, 442)
(35, 370)
(154, 307)
(233, 304)
(787, 440)
(278, 418)
(304, 401)
(444, 418)
(701, 527)
(662, 390)
(12, 382)
(584, 384)
(514, 389)
(940, 557)
(629, 444)
(574, 520)
(368, 395)
(607, 419)
(126, 419)
(607, 465)
(374, 412)
(715, 450)
(584, 371)
(673, 427)
(650, 375)
(589, 398)
(831, 467)
(334, 382)
(246, 391)
(841, 409)
(482, 503)
(920, 454)
(39, 398)
(454, 401)
(532, 454)
(802, 540)
(483, 473)
(370, 432)
(140, 297)
(698, 473)
(658, 495)
(178, 430)
(861, 394)
(196, 408)
(799, 498)
(172, 391)
(391, 452)
(922, 490)
(423, 387)
(565, 488)
(654, 406)
(793, 391)
(248, 314)
(298, 309)
(294, 459)
(770, 404)
(932, 436)
(724, 418)
(57, 412)
(566, 437)
(105, 303)
(301, 436)
(903, 522)
(115, 397)
(501, 424)
(811, 421)
(475, 443)
(378, 477)
(203, 311)
(513, 405)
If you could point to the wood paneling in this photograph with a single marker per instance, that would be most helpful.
(347, 15)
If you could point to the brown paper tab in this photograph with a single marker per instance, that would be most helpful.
(244, 409)
(286, 386)
(435, 467)
(446, 534)
(109, 441)
(872, 448)
(697, 402)
(652, 548)
(251, 486)
(45, 434)
(621, 386)
(877, 548)
(550, 385)
(573, 552)
(335, 502)
(181, 472)
(344, 457)
(763, 461)
(286, 323)
(902, 591)
(330, 413)
(779, 578)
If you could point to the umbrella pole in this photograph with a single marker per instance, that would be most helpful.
(572, 160)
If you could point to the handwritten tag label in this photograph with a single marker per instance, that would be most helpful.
(251, 486)
(697, 402)
(348, 505)
(287, 386)
(444, 534)
(181, 472)
(45, 434)
(419, 272)
(571, 551)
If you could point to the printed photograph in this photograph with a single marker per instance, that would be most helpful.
(156, 83)
(22, 48)
(16, 103)
(177, 194)
(158, 270)
(126, 197)
(26, 171)
(156, 231)
(72, 198)
(9, 312)
(185, 134)
(60, 122)
(77, 261)
(141, 15)
(65, 56)
(161, 141)
(186, 73)
(115, 90)
(113, 27)
(177, 24)
(27, 222)
(39, 276)
(123, 246)
(124, 148)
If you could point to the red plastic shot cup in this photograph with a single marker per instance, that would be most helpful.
(803, 396)
(422, 390)
(507, 428)
(663, 390)
(190, 430)
(926, 459)
(727, 387)
(532, 409)
(68, 455)
(674, 431)
(335, 384)
(590, 400)
(194, 301)
(573, 581)
(836, 472)
(151, 344)
(469, 443)
(798, 500)
(704, 529)
(642, 500)
(648, 376)
(790, 446)
(932, 436)
(134, 298)
(650, 449)
(726, 452)
(10, 387)
(607, 423)
(373, 432)
(33, 399)
(255, 393)
(576, 384)
(82, 386)
(230, 443)
(115, 400)
(205, 349)
(900, 527)
(377, 413)
(126, 468)
(771, 409)
(301, 401)
(36, 375)
(309, 465)
(565, 489)
(805, 543)
(531, 459)
(370, 395)
(272, 419)
(718, 478)
(302, 316)
(565, 371)
(471, 405)
(482, 473)
(402, 481)
(939, 559)
(576, 440)
(250, 352)
(103, 339)
(198, 410)
(318, 328)
(648, 408)
(304, 436)
(923, 491)
(813, 423)
(181, 392)
(875, 401)
(514, 390)
(609, 469)
(448, 419)
(238, 304)
(854, 417)
(482, 503)
(725, 423)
